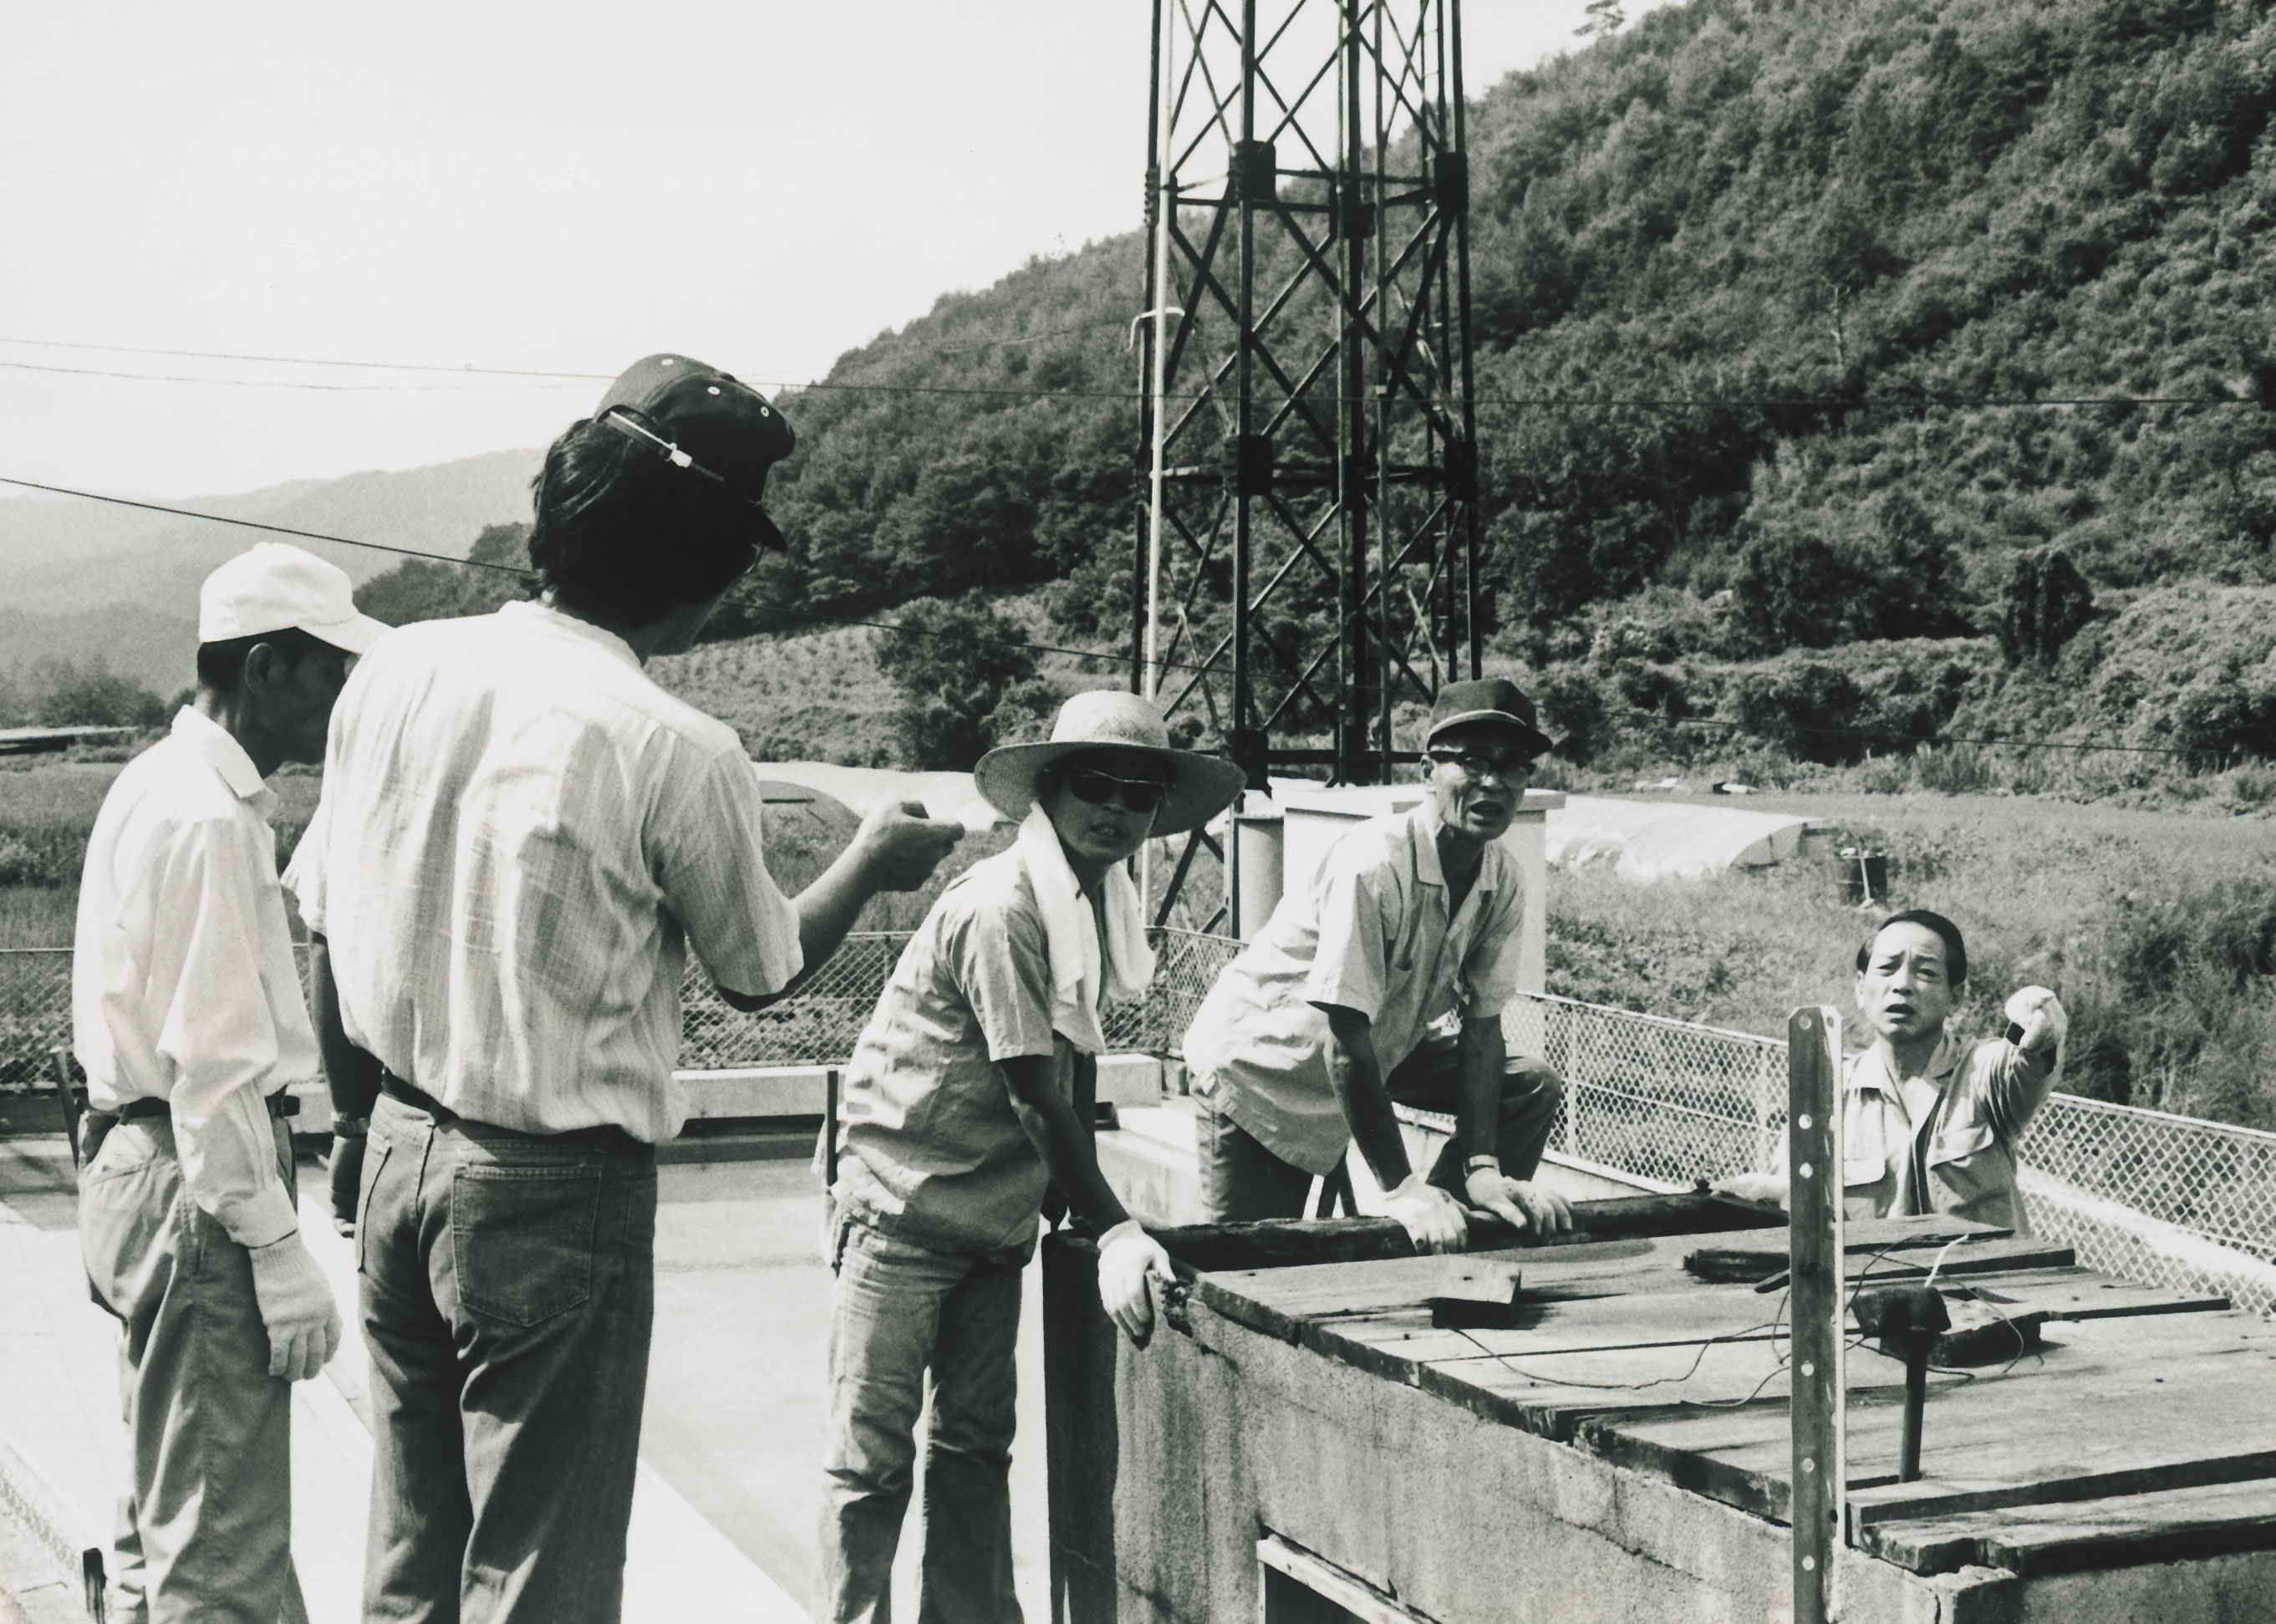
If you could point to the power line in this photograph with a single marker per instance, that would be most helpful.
(349, 389)
(301, 361)
(818, 618)
(1565, 403)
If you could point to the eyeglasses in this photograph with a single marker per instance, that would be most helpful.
(1095, 788)
(1476, 764)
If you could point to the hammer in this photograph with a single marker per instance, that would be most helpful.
(1907, 1319)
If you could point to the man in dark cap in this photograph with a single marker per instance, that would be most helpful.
(520, 837)
(1382, 981)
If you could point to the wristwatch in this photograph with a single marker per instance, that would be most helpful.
(351, 1127)
(1476, 1162)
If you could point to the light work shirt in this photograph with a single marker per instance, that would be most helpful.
(1967, 1150)
(932, 1149)
(521, 837)
(183, 983)
(1371, 932)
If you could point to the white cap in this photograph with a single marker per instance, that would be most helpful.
(272, 587)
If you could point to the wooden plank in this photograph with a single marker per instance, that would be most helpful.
(2162, 1391)
(2074, 1293)
(1348, 1595)
(1937, 1498)
(1754, 1256)
(2168, 1526)
(1281, 1244)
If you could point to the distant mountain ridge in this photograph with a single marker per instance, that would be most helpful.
(85, 578)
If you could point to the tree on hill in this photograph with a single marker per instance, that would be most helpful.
(967, 681)
(421, 589)
(57, 693)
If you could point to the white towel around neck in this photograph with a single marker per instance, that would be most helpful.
(1082, 977)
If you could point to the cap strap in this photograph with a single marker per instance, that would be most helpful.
(679, 459)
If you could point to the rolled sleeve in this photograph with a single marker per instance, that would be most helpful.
(1004, 969)
(220, 1037)
(710, 862)
(1349, 966)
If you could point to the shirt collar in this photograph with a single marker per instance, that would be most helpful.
(1873, 1071)
(547, 617)
(1423, 828)
(221, 751)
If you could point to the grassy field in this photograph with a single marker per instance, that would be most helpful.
(2158, 928)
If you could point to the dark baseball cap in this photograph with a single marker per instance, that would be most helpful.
(707, 421)
(1492, 701)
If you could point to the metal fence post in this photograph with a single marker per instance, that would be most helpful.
(1813, 1149)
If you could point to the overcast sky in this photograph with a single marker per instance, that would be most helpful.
(500, 183)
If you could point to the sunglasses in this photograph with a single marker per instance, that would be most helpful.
(1476, 764)
(1095, 788)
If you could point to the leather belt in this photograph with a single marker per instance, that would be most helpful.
(280, 1103)
(412, 1094)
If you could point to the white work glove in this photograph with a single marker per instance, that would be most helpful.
(1767, 1186)
(1126, 1256)
(1434, 1220)
(297, 1306)
(1520, 1204)
(2041, 1015)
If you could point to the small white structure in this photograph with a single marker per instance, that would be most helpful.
(1667, 839)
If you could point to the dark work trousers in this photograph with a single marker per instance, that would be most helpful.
(508, 1292)
(205, 1527)
(1242, 1181)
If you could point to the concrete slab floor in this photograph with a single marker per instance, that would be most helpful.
(724, 1519)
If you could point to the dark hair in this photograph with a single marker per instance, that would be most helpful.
(622, 533)
(1955, 951)
(221, 665)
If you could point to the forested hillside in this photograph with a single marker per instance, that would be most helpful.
(1770, 298)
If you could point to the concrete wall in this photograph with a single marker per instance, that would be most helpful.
(1167, 1466)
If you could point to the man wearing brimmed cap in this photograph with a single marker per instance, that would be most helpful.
(958, 1114)
(187, 1016)
(521, 837)
(1383, 981)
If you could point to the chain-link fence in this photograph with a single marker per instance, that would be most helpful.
(2164, 1199)
(2171, 1201)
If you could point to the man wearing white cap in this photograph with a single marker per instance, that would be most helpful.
(187, 1017)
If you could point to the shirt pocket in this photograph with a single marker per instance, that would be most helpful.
(1864, 1147)
(1961, 1140)
(522, 1238)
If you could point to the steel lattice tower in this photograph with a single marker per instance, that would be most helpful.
(1307, 539)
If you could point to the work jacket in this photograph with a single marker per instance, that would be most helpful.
(1946, 1142)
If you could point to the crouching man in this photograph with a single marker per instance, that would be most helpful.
(1929, 1123)
(1383, 982)
(957, 1116)
(187, 1016)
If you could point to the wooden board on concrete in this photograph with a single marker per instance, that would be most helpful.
(2166, 1525)
(2158, 1393)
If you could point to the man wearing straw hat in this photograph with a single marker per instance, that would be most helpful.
(957, 1116)
(1382, 983)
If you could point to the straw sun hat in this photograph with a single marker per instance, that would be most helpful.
(1201, 787)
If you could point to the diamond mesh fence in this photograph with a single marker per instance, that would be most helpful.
(2167, 1199)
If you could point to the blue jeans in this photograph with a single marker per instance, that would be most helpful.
(508, 1292)
(896, 1310)
(205, 1527)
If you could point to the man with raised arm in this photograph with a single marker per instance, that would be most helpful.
(187, 1017)
(1930, 1123)
(1382, 982)
(521, 838)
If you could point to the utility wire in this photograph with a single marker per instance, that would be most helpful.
(301, 361)
(1547, 403)
(818, 618)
